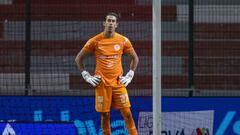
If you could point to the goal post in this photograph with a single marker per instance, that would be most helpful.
(156, 27)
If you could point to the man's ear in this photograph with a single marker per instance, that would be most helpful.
(104, 23)
(116, 25)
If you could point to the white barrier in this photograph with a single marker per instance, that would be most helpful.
(178, 123)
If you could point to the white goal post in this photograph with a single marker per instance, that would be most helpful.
(156, 27)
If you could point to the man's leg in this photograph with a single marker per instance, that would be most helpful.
(103, 99)
(105, 122)
(127, 115)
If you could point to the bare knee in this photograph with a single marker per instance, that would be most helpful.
(105, 115)
(126, 113)
(105, 119)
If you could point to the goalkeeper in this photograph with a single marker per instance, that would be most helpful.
(109, 82)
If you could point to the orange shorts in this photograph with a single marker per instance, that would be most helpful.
(111, 96)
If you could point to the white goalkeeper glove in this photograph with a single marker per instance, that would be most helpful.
(93, 80)
(125, 80)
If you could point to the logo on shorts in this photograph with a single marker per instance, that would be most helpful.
(100, 102)
(100, 99)
(116, 47)
(124, 98)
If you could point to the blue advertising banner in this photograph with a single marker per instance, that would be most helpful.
(78, 110)
(37, 128)
(81, 113)
(226, 111)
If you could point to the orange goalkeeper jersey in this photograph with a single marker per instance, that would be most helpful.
(108, 53)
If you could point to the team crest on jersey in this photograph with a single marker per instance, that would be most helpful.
(116, 47)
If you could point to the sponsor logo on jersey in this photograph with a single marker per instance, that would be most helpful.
(100, 47)
(109, 57)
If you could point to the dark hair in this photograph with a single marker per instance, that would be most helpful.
(113, 14)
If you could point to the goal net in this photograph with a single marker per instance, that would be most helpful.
(59, 29)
